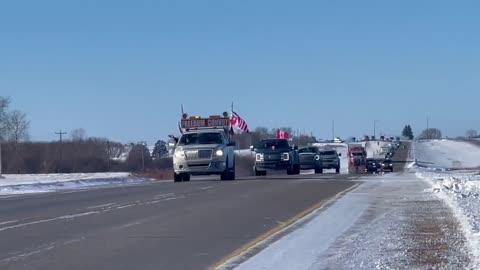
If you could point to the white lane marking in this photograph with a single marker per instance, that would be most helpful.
(47, 247)
(207, 188)
(8, 222)
(125, 206)
(47, 220)
(158, 201)
(164, 195)
(100, 206)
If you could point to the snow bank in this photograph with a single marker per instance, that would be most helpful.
(38, 183)
(461, 191)
(447, 154)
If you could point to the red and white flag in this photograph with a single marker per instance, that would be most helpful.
(236, 122)
(282, 134)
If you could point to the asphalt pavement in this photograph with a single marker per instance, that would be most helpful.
(162, 225)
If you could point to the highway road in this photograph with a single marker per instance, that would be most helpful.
(161, 225)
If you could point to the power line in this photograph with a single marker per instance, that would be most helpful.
(60, 133)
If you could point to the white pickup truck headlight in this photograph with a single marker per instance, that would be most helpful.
(219, 153)
(179, 154)
(285, 156)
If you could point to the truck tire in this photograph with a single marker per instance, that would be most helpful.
(337, 170)
(177, 177)
(296, 169)
(186, 177)
(224, 176)
(318, 170)
(259, 173)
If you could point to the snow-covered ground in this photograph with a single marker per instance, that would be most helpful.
(460, 189)
(385, 223)
(447, 154)
(37, 183)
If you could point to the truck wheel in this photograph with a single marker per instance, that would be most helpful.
(337, 170)
(289, 171)
(259, 173)
(177, 177)
(318, 170)
(186, 177)
(224, 175)
(296, 169)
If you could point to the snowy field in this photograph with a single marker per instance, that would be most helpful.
(460, 189)
(38, 183)
(447, 154)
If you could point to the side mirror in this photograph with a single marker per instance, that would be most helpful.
(252, 148)
(295, 147)
(231, 144)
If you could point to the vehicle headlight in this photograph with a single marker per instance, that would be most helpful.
(285, 156)
(259, 157)
(391, 164)
(179, 154)
(317, 157)
(219, 153)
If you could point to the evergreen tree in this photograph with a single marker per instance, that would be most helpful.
(407, 132)
(160, 149)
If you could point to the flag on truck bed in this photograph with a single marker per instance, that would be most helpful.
(237, 123)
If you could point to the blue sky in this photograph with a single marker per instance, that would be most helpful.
(121, 69)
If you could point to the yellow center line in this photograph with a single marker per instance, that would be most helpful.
(278, 228)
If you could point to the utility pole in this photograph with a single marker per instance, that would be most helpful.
(333, 130)
(428, 129)
(60, 134)
(143, 144)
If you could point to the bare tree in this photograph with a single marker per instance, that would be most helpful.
(471, 133)
(78, 134)
(430, 134)
(17, 126)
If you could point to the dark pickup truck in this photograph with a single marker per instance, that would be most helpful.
(275, 154)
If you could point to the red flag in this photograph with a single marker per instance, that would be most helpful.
(282, 134)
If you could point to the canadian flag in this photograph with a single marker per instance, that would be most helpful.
(282, 134)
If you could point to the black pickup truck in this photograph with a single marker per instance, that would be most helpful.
(275, 154)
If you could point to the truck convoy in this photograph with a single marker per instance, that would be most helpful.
(204, 148)
(357, 158)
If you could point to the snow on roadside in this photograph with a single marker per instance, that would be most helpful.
(460, 190)
(39, 183)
